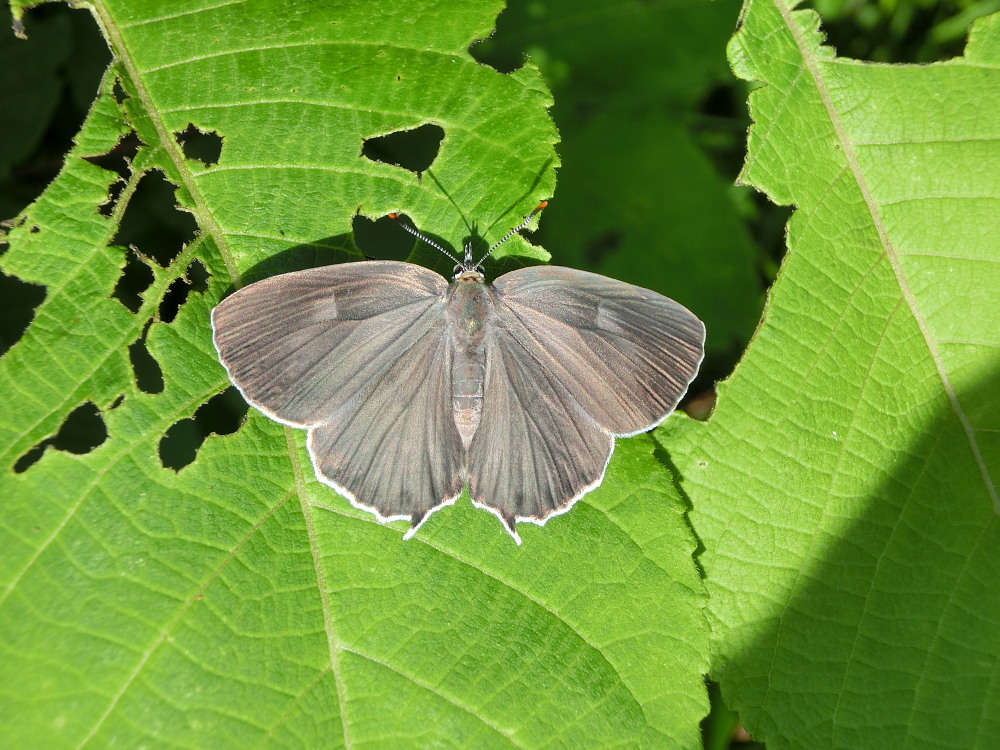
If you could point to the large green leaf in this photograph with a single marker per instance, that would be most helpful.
(845, 489)
(238, 602)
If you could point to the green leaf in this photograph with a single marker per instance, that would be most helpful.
(236, 601)
(845, 489)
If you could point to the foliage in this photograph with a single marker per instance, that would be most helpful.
(231, 600)
(164, 584)
(845, 487)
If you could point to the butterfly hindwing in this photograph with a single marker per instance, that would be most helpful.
(535, 451)
(395, 450)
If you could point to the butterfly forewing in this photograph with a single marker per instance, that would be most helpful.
(301, 345)
(627, 354)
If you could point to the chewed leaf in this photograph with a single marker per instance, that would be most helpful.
(186, 581)
(846, 487)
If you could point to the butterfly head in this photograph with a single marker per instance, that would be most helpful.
(469, 269)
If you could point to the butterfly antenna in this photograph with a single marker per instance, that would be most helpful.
(512, 232)
(428, 240)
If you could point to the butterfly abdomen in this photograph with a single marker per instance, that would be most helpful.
(469, 313)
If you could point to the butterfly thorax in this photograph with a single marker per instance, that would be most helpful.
(469, 312)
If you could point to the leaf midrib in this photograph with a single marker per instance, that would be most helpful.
(811, 64)
(206, 220)
(333, 643)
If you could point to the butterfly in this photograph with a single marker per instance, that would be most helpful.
(412, 387)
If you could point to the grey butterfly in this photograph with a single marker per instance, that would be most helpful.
(412, 387)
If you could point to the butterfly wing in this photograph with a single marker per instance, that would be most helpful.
(357, 353)
(627, 354)
(573, 359)
(535, 451)
(396, 450)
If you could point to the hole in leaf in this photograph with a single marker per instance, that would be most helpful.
(119, 91)
(20, 300)
(917, 32)
(114, 193)
(200, 145)
(701, 405)
(502, 58)
(321, 252)
(119, 157)
(195, 279)
(600, 247)
(176, 295)
(414, 149)
(383, 239)
(30, 458)
(197, 276)
(82, 431)
(222, 414)
(35, 229)
(148, 375)
(504, 50)
(135, 279)
(152, 222)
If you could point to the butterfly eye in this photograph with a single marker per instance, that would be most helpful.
(457, 270)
